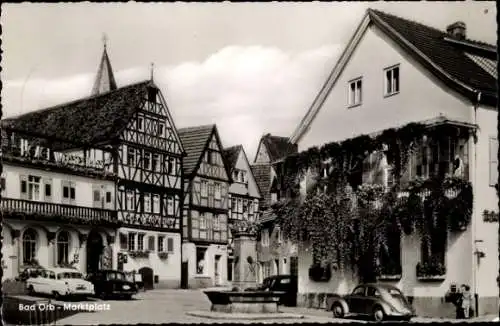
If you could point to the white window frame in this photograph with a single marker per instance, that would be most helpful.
(218, 191)
(131, 241)
(130, 200)
(147, 202)
(140, 241)
(355, 97)
(170, 206)
(204, 188)
(202, 218)
(156, 203)
(35, 182)
(279, 235)
(392, 80)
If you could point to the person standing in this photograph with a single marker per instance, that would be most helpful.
(466, 301)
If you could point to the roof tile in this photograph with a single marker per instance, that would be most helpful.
(450, 56)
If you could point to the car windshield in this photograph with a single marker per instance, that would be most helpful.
(69, 275)
(396, 294)
(116, 276)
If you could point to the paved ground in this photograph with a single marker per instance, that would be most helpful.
(171, 306)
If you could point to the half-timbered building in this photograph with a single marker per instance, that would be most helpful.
(206, 202)
(57, 210)
(275, 255)
(132, 132)
(244, 195)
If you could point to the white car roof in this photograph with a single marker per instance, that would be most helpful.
(58, 270)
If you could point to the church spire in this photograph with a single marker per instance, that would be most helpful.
(105, 79)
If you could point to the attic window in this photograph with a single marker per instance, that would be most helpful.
(391, 81)
(152, 94)
(355, 92)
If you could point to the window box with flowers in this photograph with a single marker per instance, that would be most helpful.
(390, 272)
(163, 255)
(431, 271)
(139, 254)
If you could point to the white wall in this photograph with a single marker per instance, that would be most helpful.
(421, 95)
(251, 188)
(168, 270)
(485, 198)
(83, 192)
(189, 255)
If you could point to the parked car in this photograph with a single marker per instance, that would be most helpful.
(281, 283)
(30, 272)
(112, 283)
(379, 301)
(60, 282)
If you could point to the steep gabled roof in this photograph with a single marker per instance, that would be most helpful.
(463, 65)
(105, 79)
(442, 50)
(92, 120)
(231, 154)
(195, 141)
(277, 146)
(262, 175)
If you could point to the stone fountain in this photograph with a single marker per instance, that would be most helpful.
(237, 303)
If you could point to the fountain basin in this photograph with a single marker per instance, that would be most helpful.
(244, 302)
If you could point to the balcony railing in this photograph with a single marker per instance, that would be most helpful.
(19, 208)
(54, 160)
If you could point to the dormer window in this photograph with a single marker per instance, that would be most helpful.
(391, 81)
(355, 92)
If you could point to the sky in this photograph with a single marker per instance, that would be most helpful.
(251, 68)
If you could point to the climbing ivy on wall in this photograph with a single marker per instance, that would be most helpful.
(349, 227)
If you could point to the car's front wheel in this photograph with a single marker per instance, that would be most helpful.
(338, 310)
(378, 314)
(56, 295)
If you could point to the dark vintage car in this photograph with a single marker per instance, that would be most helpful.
(280, 283)
(378, 301)
(111, 283)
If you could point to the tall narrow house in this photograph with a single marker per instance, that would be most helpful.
(276, 255)
(131, 132)
(205, 215)
(244, 195)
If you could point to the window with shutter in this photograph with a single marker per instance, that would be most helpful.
(493, 164)
(151, 243)
(170, 245)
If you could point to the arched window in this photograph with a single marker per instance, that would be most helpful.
(29, 246)
(63, 247)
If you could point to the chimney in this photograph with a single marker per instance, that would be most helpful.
(457, 30)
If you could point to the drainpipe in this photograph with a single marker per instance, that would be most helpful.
(475, 260)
